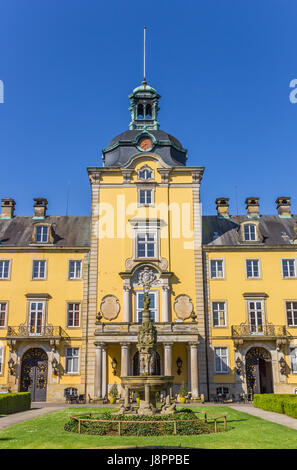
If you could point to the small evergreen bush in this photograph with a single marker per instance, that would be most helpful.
(113, 392)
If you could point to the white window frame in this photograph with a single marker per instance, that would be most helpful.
(255, 310)
(282, 268)
(292, 310)
(221, 356)
(249, 232)
(146, 242)
(224, 310)
(5, 260)
(45, 270)
(143, 169)
(253, 271)
(215, 260)
(1, 360)
(36, 301)
(72, 357)
(4, 302)
(67, 314)
(156, 309)
(42, 227)
(293, 363)
(75, 278)
(146, 190)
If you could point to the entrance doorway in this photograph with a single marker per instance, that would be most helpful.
(34, 374)
(259, 371)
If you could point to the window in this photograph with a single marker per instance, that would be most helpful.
(217, 269)
(249, 232)
(222, 390)
(3, 314)
(4, 268)
(1, 359)
(145, 174)
(221, 360)
(145, 196)
(293, 357)
(72, 357)
(146, 245)
(256, 316)
(219, 313)
(74, 271)
(73, 315)
(41, 234)
(288, 266)
(36, 317)
(139, 306)
(39, 269)
(253, 268)
(291, 309)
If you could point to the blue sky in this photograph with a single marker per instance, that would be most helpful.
(223, 70)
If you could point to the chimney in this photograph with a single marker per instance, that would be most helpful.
(222, 206)
(283, 205)
(7, 206)
(39, 208)
(252, 206)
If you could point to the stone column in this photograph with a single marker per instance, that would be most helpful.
(127, 303)
(165, 304)
(98, 371)
(124, 359)
(168, 359)
(189, 367)
(194, 369)
(104, 371)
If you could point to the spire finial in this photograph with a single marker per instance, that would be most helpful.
(144, 57)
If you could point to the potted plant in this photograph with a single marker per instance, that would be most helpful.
(137, 398)
(113, 393)
(183, 391)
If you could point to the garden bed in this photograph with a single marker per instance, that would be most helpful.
(184, 422)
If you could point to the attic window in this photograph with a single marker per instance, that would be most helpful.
(250, 232)
(145, 173)
(41, 234)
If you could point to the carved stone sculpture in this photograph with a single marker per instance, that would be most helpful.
(183, 306)
(110, 307)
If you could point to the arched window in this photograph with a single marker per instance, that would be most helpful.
(140, 113)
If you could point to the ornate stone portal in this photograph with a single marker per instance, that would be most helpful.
(147, 384)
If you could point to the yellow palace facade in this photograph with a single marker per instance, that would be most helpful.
(222, 287)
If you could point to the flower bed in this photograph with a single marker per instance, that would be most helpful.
(184, 422)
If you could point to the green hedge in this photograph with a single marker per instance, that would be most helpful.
(158, 428)
(14, 402)
(279, 403)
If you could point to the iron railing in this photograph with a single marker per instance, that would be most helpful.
(267, 329)
(25, 331)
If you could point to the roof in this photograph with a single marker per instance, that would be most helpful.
(275, 230)
(69, 231)
(124, 146)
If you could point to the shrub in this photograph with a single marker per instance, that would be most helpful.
(183, 391)
(14, 402)
(113, 392)
(159, 427)
(278, 403)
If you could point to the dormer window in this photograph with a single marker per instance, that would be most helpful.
(145, 173)
(250, 233)
(41, 234)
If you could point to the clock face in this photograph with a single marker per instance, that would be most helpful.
(145, 143)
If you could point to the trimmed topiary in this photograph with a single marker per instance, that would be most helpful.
(14, 402)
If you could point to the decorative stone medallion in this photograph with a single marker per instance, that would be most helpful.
(147, 277)
(183, 306)
(110, 307)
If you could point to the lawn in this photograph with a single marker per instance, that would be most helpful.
(244, 432)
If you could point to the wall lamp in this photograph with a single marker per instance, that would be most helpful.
(179, 364)
(55, 366)
(114, 364)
